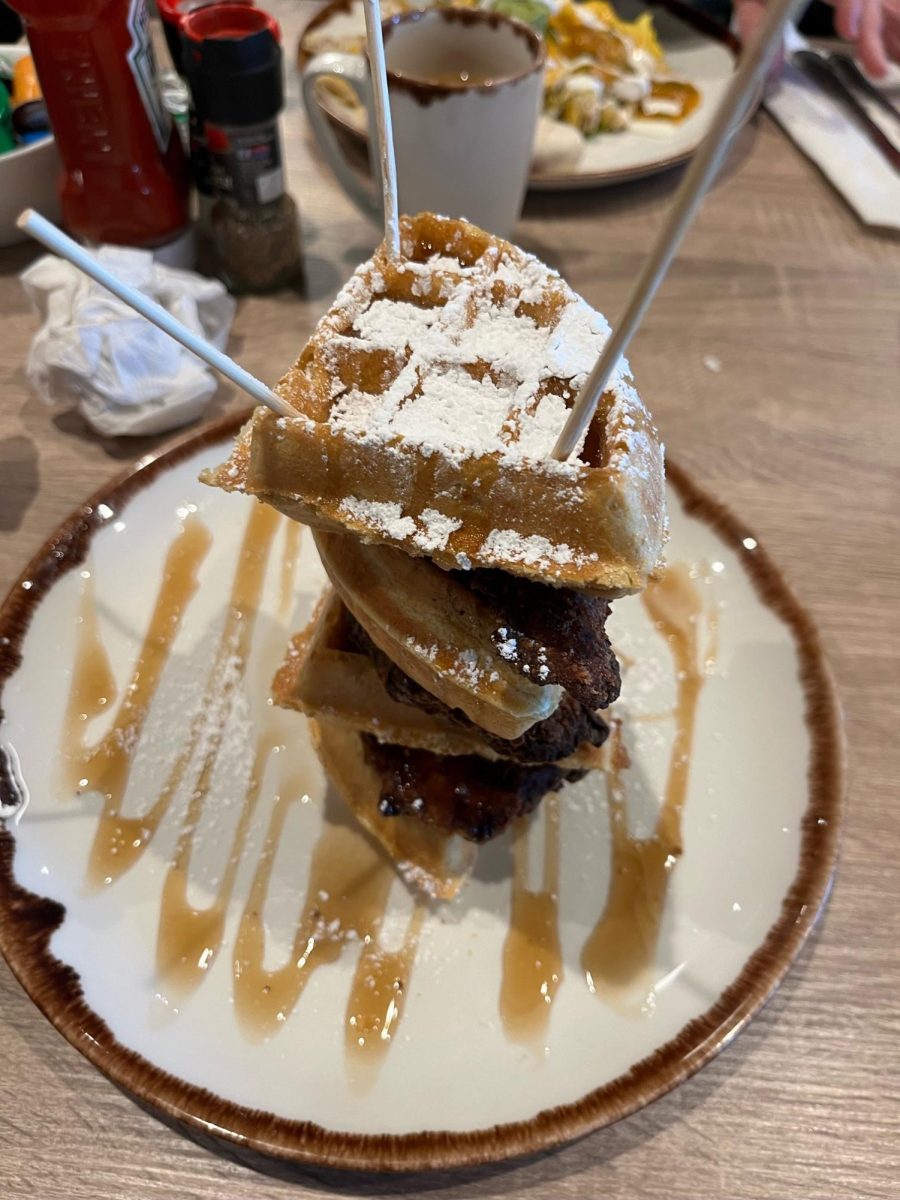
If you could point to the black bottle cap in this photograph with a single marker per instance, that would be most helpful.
(232, 61)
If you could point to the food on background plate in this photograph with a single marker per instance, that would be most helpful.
(603, 73)
(458, 670)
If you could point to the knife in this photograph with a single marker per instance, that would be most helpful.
(853, 76)
(818, 68)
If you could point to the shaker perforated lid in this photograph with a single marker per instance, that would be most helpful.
(232, 59)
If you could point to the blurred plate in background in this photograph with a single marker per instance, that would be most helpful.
(696, 48)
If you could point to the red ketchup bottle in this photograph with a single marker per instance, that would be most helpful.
(125, 177)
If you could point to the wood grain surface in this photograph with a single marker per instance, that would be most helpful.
(799, 432)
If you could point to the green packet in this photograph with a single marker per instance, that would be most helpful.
(532, 12)
(7, 141)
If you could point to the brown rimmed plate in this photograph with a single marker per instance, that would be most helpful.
(183, 938)
(697, 48)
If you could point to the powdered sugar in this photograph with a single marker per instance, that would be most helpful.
(394, 324)
(469, 667)
(428, 402)
(506, 545)
(477, 367)
(438, 527)
(385, 516)
(429, 652)
(543, 670)
(508, 648)
(455, 410)
(425, 273)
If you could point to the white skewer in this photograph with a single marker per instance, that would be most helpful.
(699, 175)
(54, 239)
(382, 103)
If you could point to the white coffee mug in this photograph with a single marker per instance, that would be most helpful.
(465, 90)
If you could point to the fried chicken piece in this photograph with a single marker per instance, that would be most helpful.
(468, 795)
(547, 741)
(553, 635)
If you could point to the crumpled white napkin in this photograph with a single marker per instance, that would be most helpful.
(127, 376)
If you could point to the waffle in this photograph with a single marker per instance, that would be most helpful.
(437, 631)
(325, 678)
(428, 402)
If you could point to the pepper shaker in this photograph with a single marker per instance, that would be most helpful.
(233, 65)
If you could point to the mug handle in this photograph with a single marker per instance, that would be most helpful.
(354, 71)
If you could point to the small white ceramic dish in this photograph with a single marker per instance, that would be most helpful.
(171, 938)
(28, 175)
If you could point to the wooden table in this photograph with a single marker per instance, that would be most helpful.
(799, 432)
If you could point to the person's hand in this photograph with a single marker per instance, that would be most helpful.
(873, 25)
(891, 14)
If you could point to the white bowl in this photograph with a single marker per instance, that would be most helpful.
(28, 175)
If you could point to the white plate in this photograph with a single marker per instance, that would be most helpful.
(696, 48)
(456, 1082)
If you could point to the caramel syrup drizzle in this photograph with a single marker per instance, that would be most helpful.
(106, 766)
(378, 994)
(621, 947)
(289, 559)
(532, 957)
(346, 895)
(346, 899)
(189, 938)
(349, 881)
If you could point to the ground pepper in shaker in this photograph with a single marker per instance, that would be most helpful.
(233, 63)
